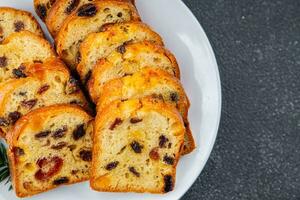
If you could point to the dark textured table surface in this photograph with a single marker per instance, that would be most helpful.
(257, 152)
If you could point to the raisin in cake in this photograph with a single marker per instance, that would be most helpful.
(87, 19)
(13, 20)
(48, 147)
(42, 7)
(19, 48)
(136, 147)
(40, 85)
(100, 45)
(150, 82)
(60, 11)
(128, 59)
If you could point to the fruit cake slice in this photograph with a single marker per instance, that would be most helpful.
(61, 10)
(87, 19)
(13, 20)
(42, 85)
(150, 82)
(19, 48)
(129, 59)
(136, 147)
(42, 7)
(49, 147)
(100, 45)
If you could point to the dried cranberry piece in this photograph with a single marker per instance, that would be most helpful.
(136, 147)
(86, 155)
(112, 165)
(133, 170)
(87, 10)
(18, 151)
(60, 132)
(43, 89)
(19, 26)
(3, 61)
(29, 104)
(168, 180)
(71, 7)
(14, 116)
(48, 167)
(116, 123)
(154, 155)
(61, 180)
(42, 134)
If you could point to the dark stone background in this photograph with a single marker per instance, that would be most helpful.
(257, 152)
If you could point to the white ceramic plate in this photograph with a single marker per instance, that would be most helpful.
(185, 37)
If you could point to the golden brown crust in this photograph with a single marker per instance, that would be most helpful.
(23, 20)
(121, 109)
(40, 114)
(61, 10)
(99, 45)
(133, 58)
(69, 37)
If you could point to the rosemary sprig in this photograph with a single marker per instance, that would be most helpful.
(4, 167)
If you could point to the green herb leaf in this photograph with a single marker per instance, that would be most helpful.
(4, 166)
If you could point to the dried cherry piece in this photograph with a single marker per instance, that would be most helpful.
(169, 160)
(18, 73)
(162, 141)
(43, 89)
(79, 132)
(41, 11)
(136, 147)
(61, 180)
(86, 155)
(133, 170)
(135, 120)
(60, 132)
(168, 180)
(116, 123)
(48, 167)
(71, 7)
(19, 26)
(42, 134)
(87, 10)
(112, 165)
(3, 61)
(14, 116)
(29, 104)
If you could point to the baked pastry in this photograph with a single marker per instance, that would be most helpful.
(129, 59)
(60, 11)
(87, 19)
(48, 147)
(42, 8)
(41, 85)
(20, 48)
(150, 82)
(136, 147)
(13, 20)
(100, 45)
